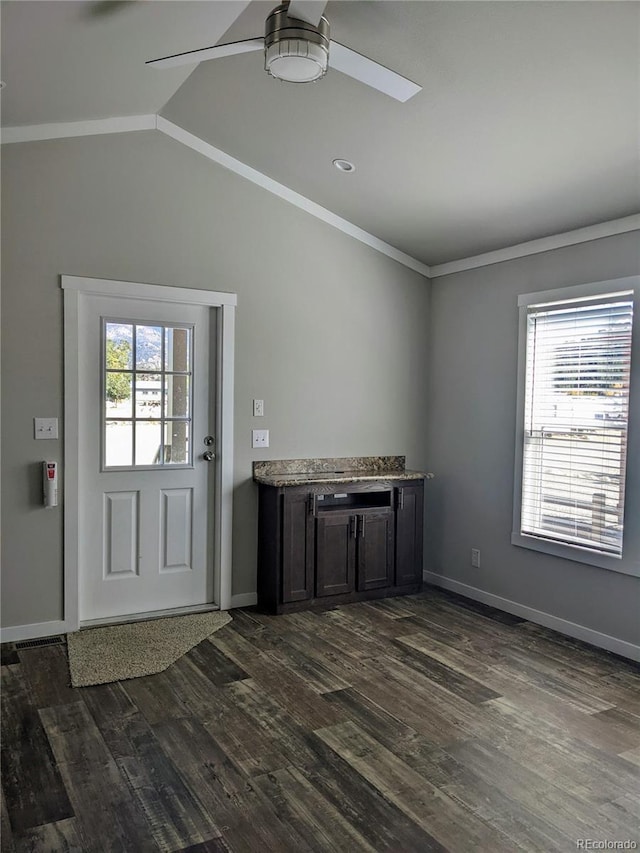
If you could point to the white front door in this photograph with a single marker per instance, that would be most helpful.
(146, 377)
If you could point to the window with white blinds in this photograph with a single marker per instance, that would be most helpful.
(574, 419)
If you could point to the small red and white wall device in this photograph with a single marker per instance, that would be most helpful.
(50, 483)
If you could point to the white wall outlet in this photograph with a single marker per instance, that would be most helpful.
(258, 408)
(475, 558)
(259, 438)
(45, 427)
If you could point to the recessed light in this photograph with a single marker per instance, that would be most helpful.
(344, 165)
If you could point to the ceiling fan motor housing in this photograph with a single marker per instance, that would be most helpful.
(295, 50)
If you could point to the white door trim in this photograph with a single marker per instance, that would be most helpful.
(74, 288)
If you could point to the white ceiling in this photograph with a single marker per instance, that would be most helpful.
(527, 125)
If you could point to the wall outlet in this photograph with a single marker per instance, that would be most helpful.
(259, 438)
(258, 408)
(475, 558)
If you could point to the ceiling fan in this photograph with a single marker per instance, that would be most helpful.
(297, 49)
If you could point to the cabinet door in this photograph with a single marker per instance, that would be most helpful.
(375, 550)
(335, 553)
(409, 533)
(297, 547)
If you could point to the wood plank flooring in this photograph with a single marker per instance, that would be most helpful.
(422, 723)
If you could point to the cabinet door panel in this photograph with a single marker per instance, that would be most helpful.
(409, 534)
(297, 548)
(375, 550)
(335, 554)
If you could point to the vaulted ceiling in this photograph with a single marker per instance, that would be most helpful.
(527, 124)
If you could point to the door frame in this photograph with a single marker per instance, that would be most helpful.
(75, 289)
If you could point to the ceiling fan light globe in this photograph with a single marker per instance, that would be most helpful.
(296, 61)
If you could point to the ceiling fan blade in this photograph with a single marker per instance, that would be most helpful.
(371, 73)
(104, 8)
(307, 10)
(191, 57)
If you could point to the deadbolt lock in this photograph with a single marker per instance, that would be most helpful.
(209, 440)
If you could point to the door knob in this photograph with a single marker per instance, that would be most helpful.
(208, 455)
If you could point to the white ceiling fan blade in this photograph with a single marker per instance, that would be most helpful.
(204, 53)
(371, 73)
(307, 10)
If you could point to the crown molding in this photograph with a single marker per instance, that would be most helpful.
(128, 124)
(221, 158)
(544, 244)
(69, 129)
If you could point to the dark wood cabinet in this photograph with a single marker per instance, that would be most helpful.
(375, 549)
(335, 554)
(297, 548)
(334, 543)
(409, 533)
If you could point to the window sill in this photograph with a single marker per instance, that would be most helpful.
(576, 553)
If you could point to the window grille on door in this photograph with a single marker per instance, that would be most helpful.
(147, 387)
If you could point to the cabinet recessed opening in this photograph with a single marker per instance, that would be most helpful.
(354, 500)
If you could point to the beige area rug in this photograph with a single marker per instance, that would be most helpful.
(101, 655)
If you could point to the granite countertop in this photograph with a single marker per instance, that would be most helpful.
(350, 469)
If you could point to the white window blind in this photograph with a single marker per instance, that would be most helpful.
(578, 356)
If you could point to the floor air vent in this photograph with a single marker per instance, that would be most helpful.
(43, 641)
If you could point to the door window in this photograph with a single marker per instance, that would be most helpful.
(147, 380)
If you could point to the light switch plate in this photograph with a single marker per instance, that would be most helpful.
(259, 438)
(45, 427)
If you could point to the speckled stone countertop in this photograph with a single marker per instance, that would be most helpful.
(346, 469)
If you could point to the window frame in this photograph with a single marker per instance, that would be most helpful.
(160, 466)
(578, 553)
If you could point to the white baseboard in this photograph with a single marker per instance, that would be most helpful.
(244, 599)
(563, 626)
(34, 631)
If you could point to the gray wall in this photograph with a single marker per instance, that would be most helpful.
(336, 338)
(472, 399)
(330, 333)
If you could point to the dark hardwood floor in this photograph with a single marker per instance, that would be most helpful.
(423, 723)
